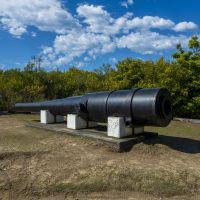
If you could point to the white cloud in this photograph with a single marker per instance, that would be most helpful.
(184, 26)
(46, 15)
(80, 64)
(100, 21)
(113, 60)
(127, 3)
(148, 22)
(97, 18)
(75, 44)
(90, 45)
(14, 27)
(17, 63)
(90, 33)
(101, 34)
(33, 34)
(147, 42)
(86, 58)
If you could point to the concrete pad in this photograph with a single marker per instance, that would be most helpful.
(46, 117)
(98, 135)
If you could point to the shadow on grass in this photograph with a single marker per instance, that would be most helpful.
(185, 145)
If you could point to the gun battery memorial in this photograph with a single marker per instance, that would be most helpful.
(126, 112)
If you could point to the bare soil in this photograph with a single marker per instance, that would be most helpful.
(38, 164)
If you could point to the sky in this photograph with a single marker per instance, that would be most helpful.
(89, 33)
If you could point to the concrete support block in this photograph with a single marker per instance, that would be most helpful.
(76, 122)
(59, 118)
(46, 117)
(117, 127)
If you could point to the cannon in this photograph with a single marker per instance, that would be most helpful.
(139, 106)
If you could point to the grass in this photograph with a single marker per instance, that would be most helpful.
(180, 129)
(155, 182)
(41, 163)
(15, 135)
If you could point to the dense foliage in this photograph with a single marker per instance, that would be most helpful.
(181, 77)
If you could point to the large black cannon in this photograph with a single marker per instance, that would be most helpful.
(141, 107)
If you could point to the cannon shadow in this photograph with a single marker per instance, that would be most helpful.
(185, 145)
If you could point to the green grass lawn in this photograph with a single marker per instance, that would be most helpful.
(180, 129)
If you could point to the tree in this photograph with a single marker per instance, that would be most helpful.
(34, 64)
(189, 78)
(129, 73)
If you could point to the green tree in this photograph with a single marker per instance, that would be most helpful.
(129, 73)
(189, 78)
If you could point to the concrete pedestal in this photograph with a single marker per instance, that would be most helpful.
(75, 122)
(46, 117)
(118, 129)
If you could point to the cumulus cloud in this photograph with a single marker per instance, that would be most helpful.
(90, 45)
(14, 27)
(75, 44)
(46, 15)
(101, 34)
(91, 32)
(147, 42)
(113, 60)
(185, 26)
(33, 34)
(100, 21)
(96, 17)
(149, 22)
(127, 3)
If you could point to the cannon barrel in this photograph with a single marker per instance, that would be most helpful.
(142, 107)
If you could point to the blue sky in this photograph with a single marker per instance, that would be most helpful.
(89, 33)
